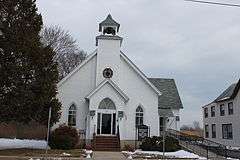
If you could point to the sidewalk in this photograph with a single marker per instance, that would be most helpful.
(98, 155)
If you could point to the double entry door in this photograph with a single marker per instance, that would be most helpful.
(106, 123)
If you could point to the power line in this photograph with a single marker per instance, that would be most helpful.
(215, 3)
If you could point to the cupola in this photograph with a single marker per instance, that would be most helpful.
(109, 29)
(109, 26)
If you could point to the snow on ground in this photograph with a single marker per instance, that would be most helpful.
(177, 154)
(233, 148)
(25, 143)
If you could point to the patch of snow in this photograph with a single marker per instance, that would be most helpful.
(224, 98)
(66, 154)
(233, 148)
(232, 158)
(177, 154)
(25, 143)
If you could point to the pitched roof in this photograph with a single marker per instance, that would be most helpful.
(229, 93)
(109, 81)
(170, 97)
(109, 21)
(165, 112)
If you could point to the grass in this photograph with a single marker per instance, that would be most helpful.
(40, 153)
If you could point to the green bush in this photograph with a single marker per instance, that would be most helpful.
(64, 137)
(156, 144)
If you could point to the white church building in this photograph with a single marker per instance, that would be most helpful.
(108, 96)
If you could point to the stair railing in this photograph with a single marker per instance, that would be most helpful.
(209, 145)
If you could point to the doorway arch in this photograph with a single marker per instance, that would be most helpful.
(107, 103)
(106, 117)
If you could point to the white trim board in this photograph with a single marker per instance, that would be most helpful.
(119, 91)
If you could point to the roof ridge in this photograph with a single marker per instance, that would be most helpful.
(229, 92)
(160, 78)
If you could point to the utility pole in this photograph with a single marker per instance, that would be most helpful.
(48, 129)
(164, 130)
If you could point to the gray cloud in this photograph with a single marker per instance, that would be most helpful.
(196, 44)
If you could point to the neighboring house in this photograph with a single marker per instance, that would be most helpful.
(108, 95)
(221, 118)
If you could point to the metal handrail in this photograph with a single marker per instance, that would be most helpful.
(209, 145)
(195, 138)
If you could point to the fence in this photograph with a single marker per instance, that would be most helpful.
(33, 130)
(202, 146)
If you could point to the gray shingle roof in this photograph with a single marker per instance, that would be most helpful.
(170, 97)
(109, 21)
(229, 93)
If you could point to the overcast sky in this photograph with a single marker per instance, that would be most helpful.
(196, 44)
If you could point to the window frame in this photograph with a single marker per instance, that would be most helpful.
(228, 133)
(177, 118)
(230, 111)
(72, 115)
(214, 131)
(206, 129)
(107, 103)
(213, 111)
(161, 123)
(222, 110)
(139, 116)
(206, 112)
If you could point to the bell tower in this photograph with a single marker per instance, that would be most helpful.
(108, 50)
(109, 26)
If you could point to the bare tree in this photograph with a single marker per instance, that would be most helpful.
(68, 54)
(196, 125)
(186, 127)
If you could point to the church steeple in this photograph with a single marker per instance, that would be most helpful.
(109, 26)
(108, 50)
(109, 29)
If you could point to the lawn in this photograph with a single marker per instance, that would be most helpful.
(41, 153)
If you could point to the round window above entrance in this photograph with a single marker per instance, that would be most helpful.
(107, 73)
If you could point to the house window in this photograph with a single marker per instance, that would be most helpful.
(227, 131)
(205, 112)
(222, 110)
(107, 103)
(206, 131)
(177, 118)
(230, 108)
(139, 116)
(213, 130)
(161, 123)
(213, 111)
(72, 115)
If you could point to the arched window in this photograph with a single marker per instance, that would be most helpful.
(107, 103)
(72, 115)
(139, 116)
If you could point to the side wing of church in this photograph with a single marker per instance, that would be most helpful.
(107, 95)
